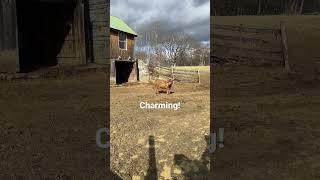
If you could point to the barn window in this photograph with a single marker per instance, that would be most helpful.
(122, 40)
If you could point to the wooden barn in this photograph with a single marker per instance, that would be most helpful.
(42, 33)
(124, 67)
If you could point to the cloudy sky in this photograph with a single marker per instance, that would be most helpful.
(190, 16)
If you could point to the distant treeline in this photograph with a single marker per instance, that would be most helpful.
(264, 7)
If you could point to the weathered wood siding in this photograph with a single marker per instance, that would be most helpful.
(73, 49)
(9, 60)
(87, 41)
(98, 36)
(116, 51)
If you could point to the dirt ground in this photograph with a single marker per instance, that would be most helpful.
(160, 143)
(271, 121)
(48, 128)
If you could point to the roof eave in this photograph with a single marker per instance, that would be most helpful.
(136, 35)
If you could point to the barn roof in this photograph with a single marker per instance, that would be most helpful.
(118, 24)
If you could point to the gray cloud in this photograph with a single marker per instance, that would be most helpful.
(190, 16)
(200, 2)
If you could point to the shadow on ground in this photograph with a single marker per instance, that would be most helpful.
(152, 170)
(189, 168)
(194, 168)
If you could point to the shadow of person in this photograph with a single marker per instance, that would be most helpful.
(194, 168)
(152, 170)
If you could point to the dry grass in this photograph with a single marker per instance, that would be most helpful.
(8, 61)
(194, 68)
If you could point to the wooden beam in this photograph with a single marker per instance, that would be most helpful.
(251, 29)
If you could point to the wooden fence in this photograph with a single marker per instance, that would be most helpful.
(253, 45)
(179, 75)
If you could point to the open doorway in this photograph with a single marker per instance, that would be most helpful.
(123, 71)
(42, 30)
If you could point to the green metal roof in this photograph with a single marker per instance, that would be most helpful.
(118, 24)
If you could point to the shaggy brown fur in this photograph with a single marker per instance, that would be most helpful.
(163, 84)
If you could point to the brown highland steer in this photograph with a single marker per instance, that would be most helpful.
(163, 84)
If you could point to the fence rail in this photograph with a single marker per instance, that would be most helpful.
(179, 75)
(244, 44)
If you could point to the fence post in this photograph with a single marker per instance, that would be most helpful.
(199, 75)
(172, 74)
(284, 41)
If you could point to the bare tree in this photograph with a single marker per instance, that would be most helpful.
(148, 43)
(155, 43)
(163, 47)
(295, 5)
(175, 45)
(259, 7)
(301, 7)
